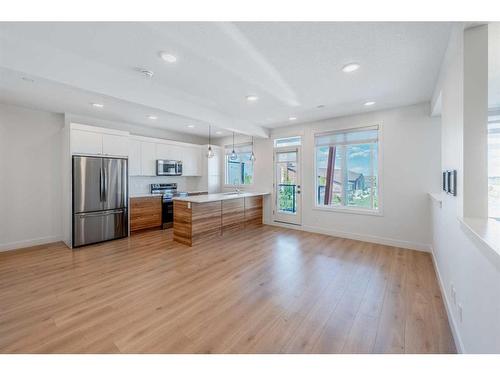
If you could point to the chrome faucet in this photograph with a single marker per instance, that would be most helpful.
(235, 185)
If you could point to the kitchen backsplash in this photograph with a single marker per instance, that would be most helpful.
(141, 185)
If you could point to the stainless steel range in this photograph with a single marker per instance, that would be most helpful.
(169, 191)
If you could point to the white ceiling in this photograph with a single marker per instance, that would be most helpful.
(292, 68)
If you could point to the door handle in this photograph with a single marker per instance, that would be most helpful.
(101, 185)
(98, 214)
(105, 190)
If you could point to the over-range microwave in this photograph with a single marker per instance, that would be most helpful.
(169, 168)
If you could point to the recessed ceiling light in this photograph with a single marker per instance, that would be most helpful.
(191, 126)
(97, 105)
(292, 118)
(218, 132)
(351, 67)
(153, 117)
(168, 57)
(252, 98)
(369, 103)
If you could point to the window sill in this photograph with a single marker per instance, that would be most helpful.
(485, 230)
(349, 210)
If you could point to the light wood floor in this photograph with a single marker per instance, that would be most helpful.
(266, 290)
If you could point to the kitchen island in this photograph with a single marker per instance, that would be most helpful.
(204, 216)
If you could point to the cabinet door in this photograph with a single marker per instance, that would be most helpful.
(134, 158)
(191, 161)
(214, 163)
(168, 152)
(148, 158)
(85, 142)
(145, 213)
(116, 145)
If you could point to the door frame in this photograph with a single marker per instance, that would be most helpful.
(280, 218)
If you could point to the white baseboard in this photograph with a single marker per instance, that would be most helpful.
(359, 237)
(454, 331)
(28, 243)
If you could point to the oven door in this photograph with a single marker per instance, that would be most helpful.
(166, 168)
(168, 214)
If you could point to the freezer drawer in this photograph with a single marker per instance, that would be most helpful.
(99, 226)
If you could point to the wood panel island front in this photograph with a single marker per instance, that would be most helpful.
(203, 216)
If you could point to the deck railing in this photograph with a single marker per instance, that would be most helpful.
(287, 198)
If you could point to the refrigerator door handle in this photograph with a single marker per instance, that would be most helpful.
(102, 213)
(101, 185)
(105, 189)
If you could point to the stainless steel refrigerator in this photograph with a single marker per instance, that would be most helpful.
(100, 199)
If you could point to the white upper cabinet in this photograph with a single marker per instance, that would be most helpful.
(214, 170)
(142, 158)
(85, 142)
(142, 151)
(134, 158)
(214, 163)
(148, 158)
(93, 140)
(168, 151)
(115, 145)
(191, 161)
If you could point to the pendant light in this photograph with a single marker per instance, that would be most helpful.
(252, 156)
(210, 153)
(233, 155)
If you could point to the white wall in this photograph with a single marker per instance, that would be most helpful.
(460, 259)
(475, 102)
(30, 177)
(411, 168)
(141, 185)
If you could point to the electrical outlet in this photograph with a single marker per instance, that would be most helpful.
(460, 313)
(453, 294)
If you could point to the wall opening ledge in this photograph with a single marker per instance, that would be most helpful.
(487, 232)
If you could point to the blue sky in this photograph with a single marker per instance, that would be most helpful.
(358, 159)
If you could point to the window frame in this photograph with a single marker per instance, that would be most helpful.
(275, 147)
(351, 209)
(225, 160)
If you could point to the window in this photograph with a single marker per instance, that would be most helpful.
(494, 167)
(239, 171)
(347, 169)
(287, 142)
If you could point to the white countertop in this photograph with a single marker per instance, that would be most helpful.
(218, 197)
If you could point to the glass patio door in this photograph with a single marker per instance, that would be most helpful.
(287, 202)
